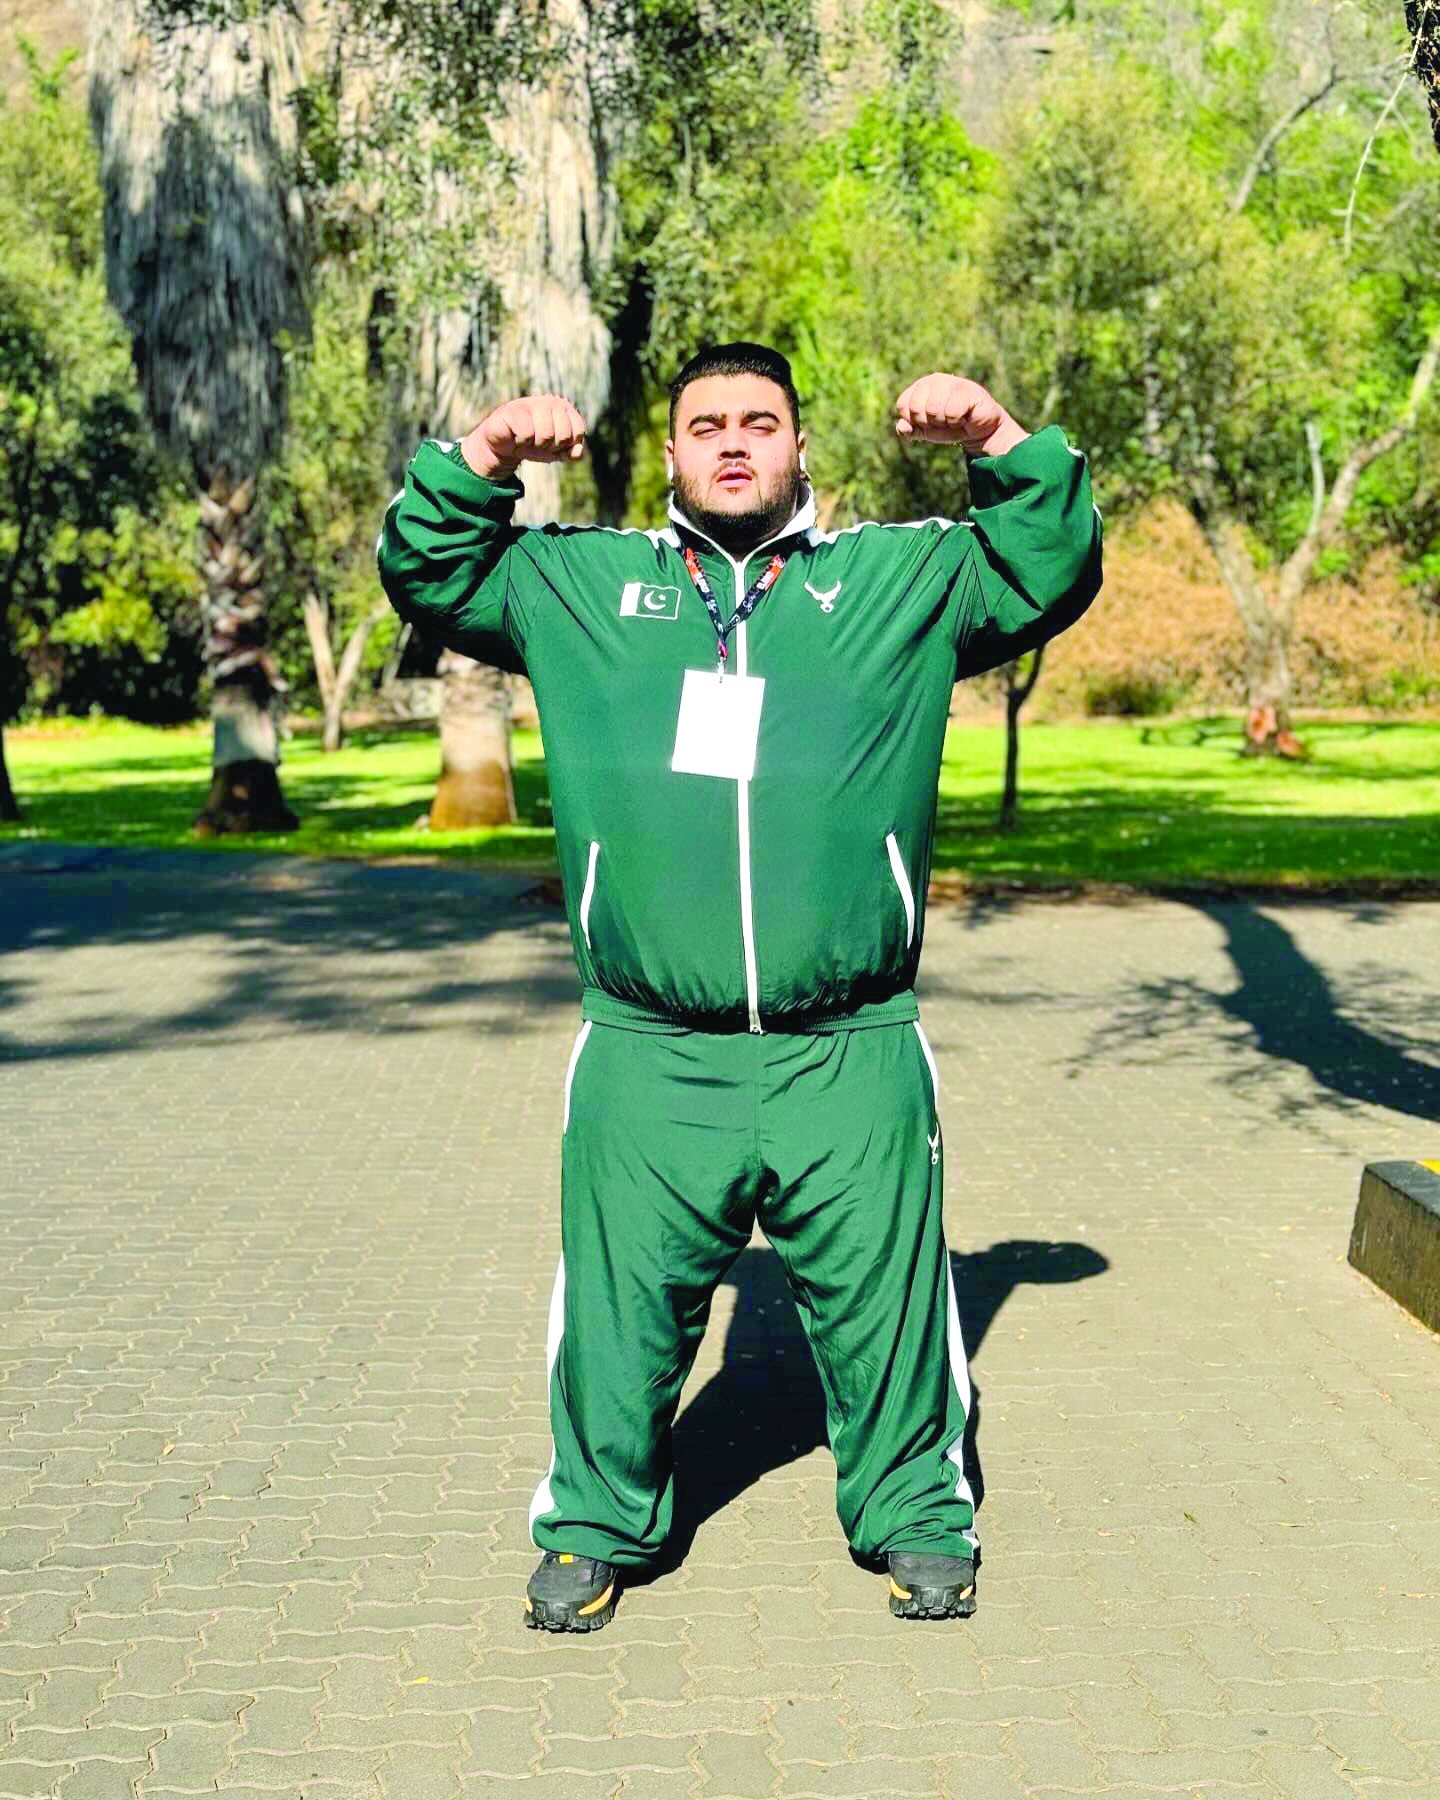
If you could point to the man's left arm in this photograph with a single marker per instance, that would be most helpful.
(1034, 533)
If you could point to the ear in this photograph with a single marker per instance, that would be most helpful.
(800, 447)
(669, 459)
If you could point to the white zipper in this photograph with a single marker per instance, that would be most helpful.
(747, 913)
(902, 881)
(589, 893)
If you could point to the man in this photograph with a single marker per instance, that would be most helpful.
(743, 722)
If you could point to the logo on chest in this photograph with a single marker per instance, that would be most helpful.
(639, 600)
(826, 597)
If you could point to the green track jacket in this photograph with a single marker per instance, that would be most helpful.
(795, 900)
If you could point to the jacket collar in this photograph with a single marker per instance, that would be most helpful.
(801, 521)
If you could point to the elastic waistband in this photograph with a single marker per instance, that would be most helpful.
(606, 1009)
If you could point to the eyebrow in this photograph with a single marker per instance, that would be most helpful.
(758, 412)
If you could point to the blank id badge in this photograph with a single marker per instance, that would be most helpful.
(719, 725)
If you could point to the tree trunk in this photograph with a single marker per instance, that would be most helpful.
(349, 668)
(1017, 692)
(613, 435)
(1269, 627)
(1269, 685)
(245, 786)
(1268, 631)
(335, 684)
(9, 805)
(476, 786)
(317, 630)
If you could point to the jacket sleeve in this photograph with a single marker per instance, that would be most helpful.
(1036, 551)
(451, 561)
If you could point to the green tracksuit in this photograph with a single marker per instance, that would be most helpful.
(750, 1043)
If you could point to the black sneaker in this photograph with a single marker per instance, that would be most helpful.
(923, 1586)
(570, 1593)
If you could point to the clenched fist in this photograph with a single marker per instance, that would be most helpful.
(949, 409)
(533, 428)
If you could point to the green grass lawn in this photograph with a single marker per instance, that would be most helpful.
(1150, 804)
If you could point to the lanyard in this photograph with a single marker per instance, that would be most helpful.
(743, 611)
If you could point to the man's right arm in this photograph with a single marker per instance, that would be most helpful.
(449, 554)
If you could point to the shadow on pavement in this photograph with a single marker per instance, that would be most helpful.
(1290, 1012)
(256, 945)
(765, 1407)
(1286, 1007)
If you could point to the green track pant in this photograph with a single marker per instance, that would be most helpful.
(675, 1141)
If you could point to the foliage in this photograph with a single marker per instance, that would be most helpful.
(823, 195)
(328, 488)
(1179, 343)
(851, 252)
(712, 121)
(93, 582)
(888, 288)
(1220, 74)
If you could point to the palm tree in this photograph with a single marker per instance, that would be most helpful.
(551, 239)
(205, 248)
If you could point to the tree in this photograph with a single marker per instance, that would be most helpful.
(1020, 678)
(553, 240)
(708, 126)
(532, 325)
(853, 250)
(466, 156)
(206, 256)
(88, 513)
(589, 221)
(453, 161)
(322, 496)
(1196, 353)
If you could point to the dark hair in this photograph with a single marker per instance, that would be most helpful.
(736, 359)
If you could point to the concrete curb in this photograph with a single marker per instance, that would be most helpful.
(1396, 1239)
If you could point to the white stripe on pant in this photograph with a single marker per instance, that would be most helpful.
(954, 1338)
(555, 1328)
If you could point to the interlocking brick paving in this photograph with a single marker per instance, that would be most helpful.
(277, 1233)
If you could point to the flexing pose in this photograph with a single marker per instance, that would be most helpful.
(743, 721)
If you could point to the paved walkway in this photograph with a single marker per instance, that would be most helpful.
(277, 1232)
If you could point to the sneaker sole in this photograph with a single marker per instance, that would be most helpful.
(555, 1615)
(931, 1602)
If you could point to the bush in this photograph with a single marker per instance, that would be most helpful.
(125, 683)
(1164, 633)
(1133, 694)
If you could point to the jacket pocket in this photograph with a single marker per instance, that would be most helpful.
(902, 881)
(588, 893)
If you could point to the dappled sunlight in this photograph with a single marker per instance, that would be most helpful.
(1160, 802)
(268, 947)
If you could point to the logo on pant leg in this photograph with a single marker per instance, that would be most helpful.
(638, 600)
(934, 1143)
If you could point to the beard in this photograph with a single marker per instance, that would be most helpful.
(737, 532)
